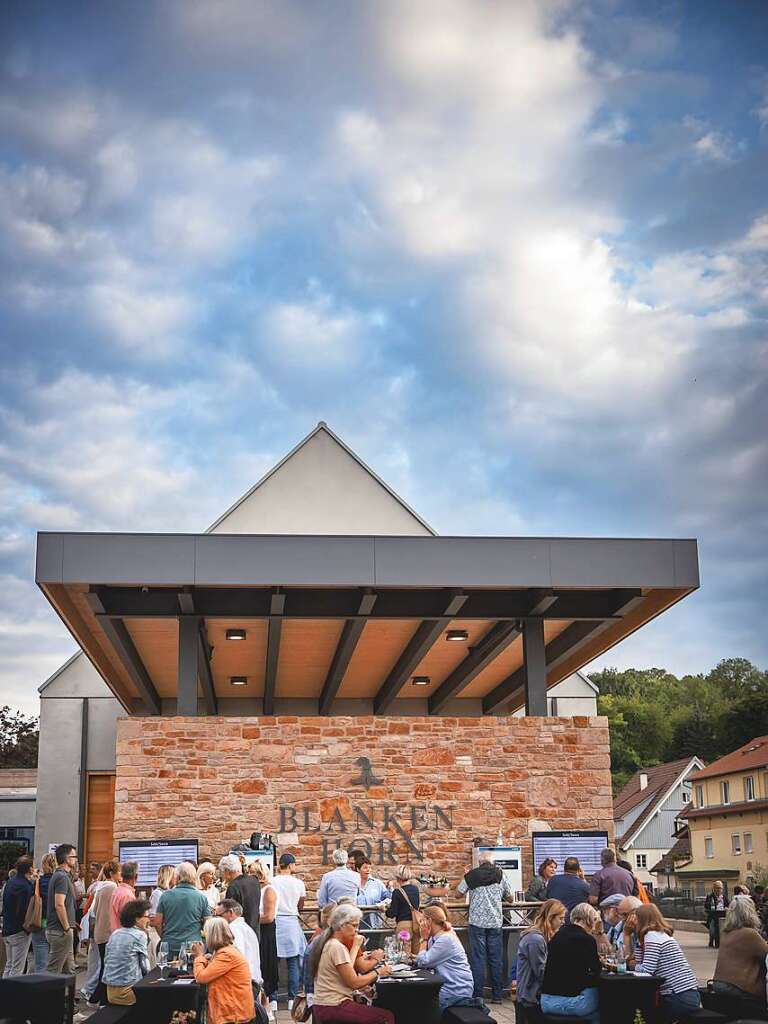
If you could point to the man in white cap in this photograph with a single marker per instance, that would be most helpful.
(615, 925)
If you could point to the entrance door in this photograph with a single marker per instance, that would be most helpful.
(99, 817)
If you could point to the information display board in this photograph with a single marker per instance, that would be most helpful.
(267, 858)
(151, 854)
(508, 858)
(559, 845)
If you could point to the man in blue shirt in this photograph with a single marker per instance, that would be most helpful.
(569, 887)
(339, 882)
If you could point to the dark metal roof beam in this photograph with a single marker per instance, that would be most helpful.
(205, 675)
(498, 638)
(275, 629)
(350, 635)
(130, 658)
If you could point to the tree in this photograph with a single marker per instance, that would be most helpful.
(19, 737)
(736, 678)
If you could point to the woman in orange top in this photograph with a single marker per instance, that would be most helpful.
(226, 973)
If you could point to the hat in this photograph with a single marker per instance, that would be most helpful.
(286, 859)
(611, 901)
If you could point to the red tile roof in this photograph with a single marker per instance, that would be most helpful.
(661, 778)
(752, 755)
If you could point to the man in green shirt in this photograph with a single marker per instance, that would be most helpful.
(182, 910)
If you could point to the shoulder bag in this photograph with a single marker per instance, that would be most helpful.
(417, 918)
(301, 1010)
(33, 919)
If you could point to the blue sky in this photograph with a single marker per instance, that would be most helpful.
(514, 253)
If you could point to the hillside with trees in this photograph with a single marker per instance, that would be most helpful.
(655, 716)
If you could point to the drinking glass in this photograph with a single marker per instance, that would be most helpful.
(162, 957)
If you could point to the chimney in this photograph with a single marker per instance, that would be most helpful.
(643, 781)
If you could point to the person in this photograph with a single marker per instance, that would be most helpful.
(441, 950)
(102, 906)
(740, 967)
(487, 888)
(226, 973)
(610, 879)
(338, 882)
(537, 890)
(206, 883)
(372, 892)
(267, 934)
(532, 952)
(613, 921)
(758, 894)
(182, 910)
(40, 949)
(740, 890)
(715, 906)
(126, 959)
(663, 958)
(17, 893)
(405, 899)
(124, 893)
(568, 887)
(323, 920)
(245, 938)
(87, 927)
(166, 879)
(243, 889)
(291, 894)
(569, 986)
(60, 912)
(335, 977)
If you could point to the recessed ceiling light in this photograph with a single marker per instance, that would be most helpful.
(421, 680)
(238, 680)
(235, 634)
(457, 634)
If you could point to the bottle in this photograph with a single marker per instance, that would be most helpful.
(621, 960)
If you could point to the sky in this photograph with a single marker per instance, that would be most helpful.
(514, 253)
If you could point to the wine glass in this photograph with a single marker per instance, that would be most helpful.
(162, 957)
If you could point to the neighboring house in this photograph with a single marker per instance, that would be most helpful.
(18, 790)
(726, 818)
(646, 812)
(666, 870)
(574, 695)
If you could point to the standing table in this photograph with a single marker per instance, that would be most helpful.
(412, 1000)
(621, 995)
(156, 999)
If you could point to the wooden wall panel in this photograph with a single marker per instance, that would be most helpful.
(99, 818)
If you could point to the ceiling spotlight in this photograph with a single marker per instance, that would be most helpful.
(235, 634)
(238, 680)
(421, 680)
(457, 634)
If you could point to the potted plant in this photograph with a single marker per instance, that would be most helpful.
(434, 885)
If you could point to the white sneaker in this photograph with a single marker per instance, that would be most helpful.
(290, 1005)
(273, 1006)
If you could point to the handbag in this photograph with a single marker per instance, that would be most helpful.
(33, 919)
(301, 1010)
(417, 918)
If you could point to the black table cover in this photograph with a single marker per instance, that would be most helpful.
(40, 998)
(412, 1001)
(621, 995)
(156, 1000)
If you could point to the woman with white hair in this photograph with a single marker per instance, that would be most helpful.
(206, 882)
(182, 911)
(405, 899)
(569, 986)
(740, 969)
(226, 973)
(336, 980)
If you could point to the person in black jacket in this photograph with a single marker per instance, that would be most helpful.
(715, 906)
(573, 968)
(17, 893)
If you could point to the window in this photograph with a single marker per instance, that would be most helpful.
(708, 847)
(641, 860)
(686, 796)
(765, 785)
(725, 792)
(699, 796)
(736, 844)
(747, 842)
(749, 788)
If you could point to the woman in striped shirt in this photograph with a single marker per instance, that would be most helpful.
(663, 958)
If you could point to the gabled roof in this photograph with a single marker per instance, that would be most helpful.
(662, 780)
(752, 755)
(681, 851)
(321, 427)
(59, 670)
(589, 682)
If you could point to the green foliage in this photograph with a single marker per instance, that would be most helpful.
(10, 853)
(655, 716)
(18, 739)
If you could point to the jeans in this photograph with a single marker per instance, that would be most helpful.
(485, 948)
(40, 951)
(93, 969)
(714, 931)
(16, 950)
(61, 957)
(680, 1004)
(585, 1004)
(293, 963)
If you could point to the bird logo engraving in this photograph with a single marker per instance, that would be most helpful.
(367, 777)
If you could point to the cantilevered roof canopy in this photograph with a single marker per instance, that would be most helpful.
(342, 624)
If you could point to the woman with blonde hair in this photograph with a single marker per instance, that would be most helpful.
(441, 950)
(532, 952)
(267, 932)
(569, 986)
(226, 973)
(166, 879)
(405, 899)
(663, 958)
(39, 941)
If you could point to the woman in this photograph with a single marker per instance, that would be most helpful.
(405, 899)
(166, 879)
(206, 882)
(226, 973)
(538, 888)
(102, 929)
(39, 941)
(267, 935)
(93, 963)
(663, 958)
(569, 987)
(442, 951)
(740, 969)
(715, 906)
(335, 977)
(532, 951)
(291, 943)
(126, 960)
(372, 892)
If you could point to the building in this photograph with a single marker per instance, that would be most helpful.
(235, 681)
(665, 870)
(18, 788)
(647, 810)
(727, 818)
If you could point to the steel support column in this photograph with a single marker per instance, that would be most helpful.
(534, 668)
(186, 687)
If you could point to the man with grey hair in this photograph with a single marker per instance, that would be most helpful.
(243, 889)
(487, 888)
(245, 937)
(339, 882)
(610, 879)
(182, 910)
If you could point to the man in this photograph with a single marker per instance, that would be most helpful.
(243, 889)
(612, 918)
(60, 912)
(182, 910)
(17, 893)
(339, 882)
(610, 879)
(487, 887)
(568, 887)
(124, 893)
(715, 906)
(245, 940)
(626, 910)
